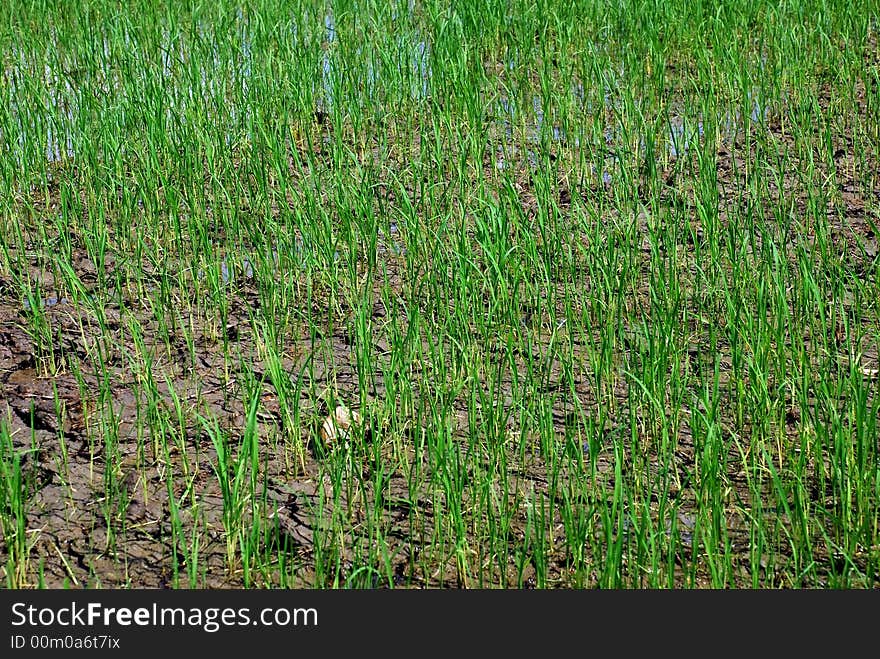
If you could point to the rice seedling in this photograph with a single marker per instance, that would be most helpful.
(408, 294)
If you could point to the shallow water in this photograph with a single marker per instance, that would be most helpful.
(47, 302)
(413, 63)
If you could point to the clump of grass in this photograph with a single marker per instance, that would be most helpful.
(14, 507)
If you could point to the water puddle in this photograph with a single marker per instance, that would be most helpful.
(46, 302)
(411, 64)
(418, 65)
(328, 72)
(230, 271)
(685, 524)
(682, 134)
(247, 271)
(734, 125)
(390, 242)
(508, 118)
